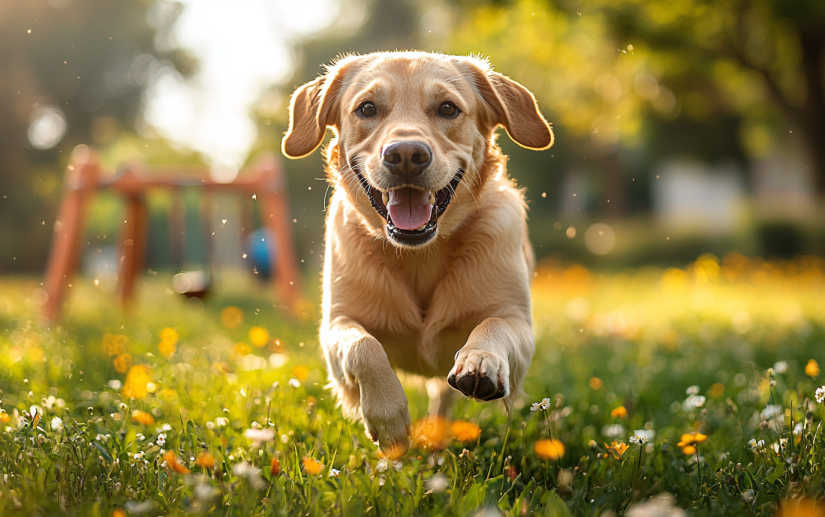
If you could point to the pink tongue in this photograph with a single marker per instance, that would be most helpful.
(409, 207)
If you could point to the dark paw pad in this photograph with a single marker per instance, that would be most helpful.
(467, 384)
(485, 388)
(499, 394)
(452, 383)
(476, 386)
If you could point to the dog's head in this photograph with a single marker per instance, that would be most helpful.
(413, 131)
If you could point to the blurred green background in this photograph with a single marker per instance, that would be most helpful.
(683, 126)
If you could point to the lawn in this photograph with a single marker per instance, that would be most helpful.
(698, 383)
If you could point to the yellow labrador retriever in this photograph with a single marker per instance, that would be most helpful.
(428, 264)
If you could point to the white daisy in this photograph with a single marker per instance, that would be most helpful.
(259, 436)
(693, 390)
(755, 445)
(820, 394)
(540, 406)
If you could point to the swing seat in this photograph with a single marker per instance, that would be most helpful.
(192, 284)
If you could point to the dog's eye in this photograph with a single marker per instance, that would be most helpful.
(448, 110)
(367, 109)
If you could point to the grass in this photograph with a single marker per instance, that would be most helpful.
(132, 419)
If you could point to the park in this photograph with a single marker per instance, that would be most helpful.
(161, 263)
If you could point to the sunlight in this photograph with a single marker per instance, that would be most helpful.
(241, 49)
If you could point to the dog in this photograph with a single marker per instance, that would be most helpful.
(427, 264)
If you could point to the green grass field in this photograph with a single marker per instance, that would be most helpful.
(188, 408)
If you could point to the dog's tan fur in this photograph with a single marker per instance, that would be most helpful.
(459, 305)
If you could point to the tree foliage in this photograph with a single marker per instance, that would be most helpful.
(85, 62)
(603, 67)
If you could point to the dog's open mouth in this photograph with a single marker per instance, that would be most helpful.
(411, 213)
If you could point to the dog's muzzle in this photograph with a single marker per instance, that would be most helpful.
(411, 213)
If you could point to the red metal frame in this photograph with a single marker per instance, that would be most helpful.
(264, 178)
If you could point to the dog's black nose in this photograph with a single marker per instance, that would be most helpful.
(408, 158)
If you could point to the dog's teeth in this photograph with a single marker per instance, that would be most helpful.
(385, 197)
(421, 227)
(432, 197)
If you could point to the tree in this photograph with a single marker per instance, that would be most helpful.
(73, 71)
(604, 67)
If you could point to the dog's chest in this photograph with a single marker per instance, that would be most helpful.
(398, 293)
(414, 310)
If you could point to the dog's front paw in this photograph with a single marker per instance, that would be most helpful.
(480, 374)
(386, 419)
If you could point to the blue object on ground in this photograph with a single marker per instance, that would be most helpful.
(261, 246)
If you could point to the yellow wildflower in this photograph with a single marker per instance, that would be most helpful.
(231, 317)
(312, 466)
(595, 383)
(619, 412)
(113, 344)
(36, 354)
(812, 368)
(142, 417)
(259, 336)
(137, 379)
(431, 432)
(122, 363)
(276, 346)
(300, 372)
(692, 439)
(205, 460)
(172, 463)
(465, 431)
(616, 449)
(551, 449)
(241, 349)
(168, 342)
(167, 349)
(717, 390)
(169, 334)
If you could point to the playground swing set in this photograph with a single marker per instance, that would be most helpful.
(263, 181)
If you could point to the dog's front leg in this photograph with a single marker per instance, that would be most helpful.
(495, 359)
(366, 383)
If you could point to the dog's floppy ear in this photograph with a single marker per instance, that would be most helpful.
(519, 113)
(511, 105)
(313, 107)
